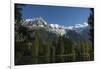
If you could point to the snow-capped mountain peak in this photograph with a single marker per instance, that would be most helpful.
(39, 22)
(35, 21)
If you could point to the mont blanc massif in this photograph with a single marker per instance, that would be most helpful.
(77, 33)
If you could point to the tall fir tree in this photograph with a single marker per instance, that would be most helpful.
(91, 23)
(35, 48)
(18, 12)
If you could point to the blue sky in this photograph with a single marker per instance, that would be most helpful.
(66, 16)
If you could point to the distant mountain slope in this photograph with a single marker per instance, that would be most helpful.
(39, 24)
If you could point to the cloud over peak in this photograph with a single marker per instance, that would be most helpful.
(85, 24)
(81, 25)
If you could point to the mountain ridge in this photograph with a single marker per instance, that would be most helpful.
(39, 22)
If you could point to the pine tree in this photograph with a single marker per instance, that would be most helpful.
(60, 49)
(47, 48)
(83, 51)
(18, 12)
(88, 51)
(53, 54)
(35, 48)
(69, 50)
(91, 23)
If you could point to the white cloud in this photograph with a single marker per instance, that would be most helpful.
(85, 24)
(81, 25)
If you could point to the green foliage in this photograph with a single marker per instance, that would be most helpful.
(83, 51)
(19, 38)
(43, 50)
(61, 45)
(35, 48)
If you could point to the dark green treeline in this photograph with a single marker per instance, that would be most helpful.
(37, 51)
